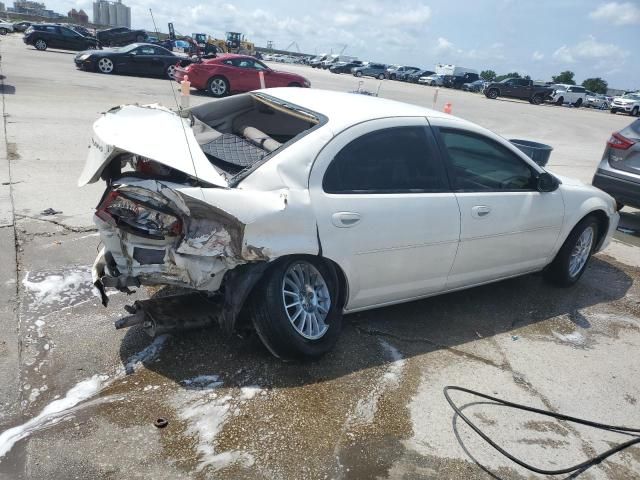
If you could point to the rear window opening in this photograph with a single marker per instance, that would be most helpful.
(239, 133)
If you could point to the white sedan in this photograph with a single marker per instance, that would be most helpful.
(302, 205)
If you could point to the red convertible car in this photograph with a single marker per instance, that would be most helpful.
(230, 73)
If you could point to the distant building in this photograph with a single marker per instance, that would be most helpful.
(78, 17)
(27, 7)
(2, 9)
(115, 14)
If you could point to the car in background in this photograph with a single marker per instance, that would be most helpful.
(282, 190)
(120, 36)
(476, 86)
(21, 26)
(627, 103)
(47, 35)
(520, 88)
(6, 27)
(415, 76)
(335, 59)
(456, 81)
(376, 70)
(137, 59)
(230, 73)
(574, 95)
(618, 173)
(596, 100)
(433, 80)
(396, 72)
(345, 67)
(80, 29)
(316, 61)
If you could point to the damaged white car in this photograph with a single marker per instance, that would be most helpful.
(302, 205)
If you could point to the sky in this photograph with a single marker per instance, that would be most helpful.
(537, 38)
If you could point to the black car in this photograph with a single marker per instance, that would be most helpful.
(21, 26)
(81, 30)
(344, 67)
(121, 36)
(137, 58)
(43, 36)
(476, 86)
(376, 70)
(457, 81)
(415, 76)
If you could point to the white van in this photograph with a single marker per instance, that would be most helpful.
(447, 69)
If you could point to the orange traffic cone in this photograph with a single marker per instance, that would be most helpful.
(447, 107)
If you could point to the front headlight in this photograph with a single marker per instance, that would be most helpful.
(84, 57)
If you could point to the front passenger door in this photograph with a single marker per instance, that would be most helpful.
(508, 227)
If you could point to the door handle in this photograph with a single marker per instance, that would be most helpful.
(345, 219)
(480, 211)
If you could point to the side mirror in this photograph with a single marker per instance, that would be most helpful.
(546, 182)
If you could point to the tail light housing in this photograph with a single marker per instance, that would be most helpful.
(135, 216)
(619, 142)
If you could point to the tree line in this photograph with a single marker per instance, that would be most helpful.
(596, 85)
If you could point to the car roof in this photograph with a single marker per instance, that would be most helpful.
(344, 110)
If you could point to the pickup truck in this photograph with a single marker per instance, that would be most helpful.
(518, 88)
(572, 94)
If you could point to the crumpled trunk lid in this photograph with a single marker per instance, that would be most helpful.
(172, 143)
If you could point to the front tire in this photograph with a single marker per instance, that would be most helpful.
(381, 76)
(295, 309)
(3, 31)
(536, 100)
(578, 104)
(634, 112)
(106, 66)
(40, 44)
(218, 86)
(573, 257)
(492, 94)
(358, 74)
(171, 71)
(560, 101)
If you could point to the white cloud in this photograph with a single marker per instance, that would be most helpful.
(597, 55)
(537, 56)
(618, 13)
(443, 45)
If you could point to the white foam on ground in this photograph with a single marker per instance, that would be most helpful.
(60, 409)
(52, 413)
(63, 289)
(366, 408)
(247, 393)
(575, 338)
(205, 413)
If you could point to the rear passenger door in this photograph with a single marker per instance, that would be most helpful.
(384, 210)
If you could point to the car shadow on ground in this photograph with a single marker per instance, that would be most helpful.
(416, 328)
(64, 52)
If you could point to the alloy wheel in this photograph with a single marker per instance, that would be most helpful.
(105, 65)
(41, 45)
(171, 70)
(581, 251)
(218, 86)
(306, 300)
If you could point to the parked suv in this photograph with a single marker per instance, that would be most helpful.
(120, 36)
(435, 80)
(572, 94)
(376, 70)
(619, 171)
(628, 103)
(397, 72)
(43, 36)
(415, 76)
(345, 67)
(456, 81)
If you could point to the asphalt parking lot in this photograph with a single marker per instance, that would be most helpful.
(373, 408)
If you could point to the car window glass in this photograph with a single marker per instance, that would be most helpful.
(479, 163)
(144, 51)
(394, 160)
(68, 33)
(51, 29)
(259, 66)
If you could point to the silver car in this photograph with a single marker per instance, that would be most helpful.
(619, 171)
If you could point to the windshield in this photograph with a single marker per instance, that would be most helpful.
(632, 96)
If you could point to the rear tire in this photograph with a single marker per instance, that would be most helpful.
(634, 112)
(573, 257)
(560, 101)
(578, 104)
(381, 76)
(308, 283)
(613, 110)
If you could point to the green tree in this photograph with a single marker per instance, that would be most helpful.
(564, 77)
(499, 78)
(488, 75)
(597, 85)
